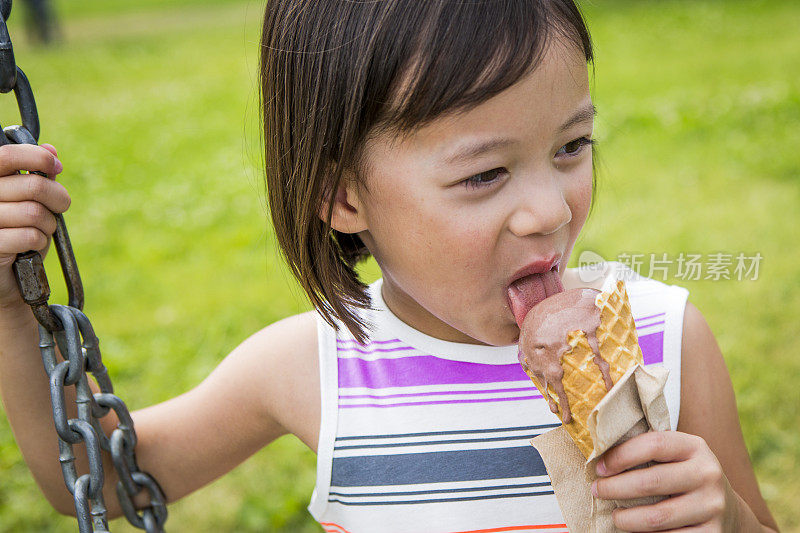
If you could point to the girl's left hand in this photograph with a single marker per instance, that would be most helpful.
(688, 471)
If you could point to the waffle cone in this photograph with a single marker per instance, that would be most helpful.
(583, 381)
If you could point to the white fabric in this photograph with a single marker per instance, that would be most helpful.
(420, 434)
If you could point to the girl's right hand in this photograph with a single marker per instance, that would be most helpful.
(27, 204)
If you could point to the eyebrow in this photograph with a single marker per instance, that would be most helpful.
(584, 114)
(474, 149)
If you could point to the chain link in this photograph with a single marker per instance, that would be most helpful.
(68, 328)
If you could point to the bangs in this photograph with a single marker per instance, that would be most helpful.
(462, 54)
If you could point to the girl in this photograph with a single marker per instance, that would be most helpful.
(452, 142)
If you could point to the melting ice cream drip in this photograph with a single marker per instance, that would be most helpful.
(543, 340)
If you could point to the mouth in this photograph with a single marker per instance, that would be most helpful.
(531, 285)
(538, 266)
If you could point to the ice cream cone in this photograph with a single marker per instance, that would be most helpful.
(583, 381)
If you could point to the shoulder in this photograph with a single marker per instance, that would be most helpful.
(298, 332)
(709, 409)
(705, 381)
(707, 396)
(281, 362)
(284, 347)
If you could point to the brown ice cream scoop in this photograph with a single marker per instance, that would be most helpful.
(575, 346)
(543, 340)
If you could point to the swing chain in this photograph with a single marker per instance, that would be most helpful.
(79, 346)
(67, 327)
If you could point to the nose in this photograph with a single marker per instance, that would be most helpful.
(540, 208)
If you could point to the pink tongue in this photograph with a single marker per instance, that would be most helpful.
(530, 290)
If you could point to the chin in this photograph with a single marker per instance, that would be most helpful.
(509, 334)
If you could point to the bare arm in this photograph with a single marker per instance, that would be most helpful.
(187, 441)
(708, 409)
(249, 400)
(264, 388)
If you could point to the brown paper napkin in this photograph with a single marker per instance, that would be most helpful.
(634, 405)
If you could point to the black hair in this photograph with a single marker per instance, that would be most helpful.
(335, 72)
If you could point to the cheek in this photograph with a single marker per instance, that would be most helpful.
(456, 242)
(407, 228)
(465, 236)
(425, 241)
(476, 249)
(579, 197)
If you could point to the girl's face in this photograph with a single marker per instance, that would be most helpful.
(451, 224)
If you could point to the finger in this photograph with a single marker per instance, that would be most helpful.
(656, 480)
(19, 240)
(50, 148)
(21, 187)
(678, 511)
(14, 157)
(660, 446)
(27, 214)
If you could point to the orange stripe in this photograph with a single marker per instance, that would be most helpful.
(515, 528)
(323, 524)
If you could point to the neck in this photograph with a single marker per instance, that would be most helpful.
(409, 311)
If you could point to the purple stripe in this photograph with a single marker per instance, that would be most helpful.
(443, 401)
(400, 349)
(419, 370)
(351, 396)
(640, 326)
(646, 317)
(652, 346)
(370, 342)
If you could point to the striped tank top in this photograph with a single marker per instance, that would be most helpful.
(421, 435)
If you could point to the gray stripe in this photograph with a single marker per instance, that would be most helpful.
(467, 498)
(440, 491)
(436, 467)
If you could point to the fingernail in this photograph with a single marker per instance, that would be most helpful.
(601, 467)
(59, 166)
(594, 489)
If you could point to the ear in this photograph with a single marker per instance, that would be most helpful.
(348, 214)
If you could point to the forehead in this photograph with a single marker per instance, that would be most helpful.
(536, 104)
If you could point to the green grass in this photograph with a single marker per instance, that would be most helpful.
(153, 107)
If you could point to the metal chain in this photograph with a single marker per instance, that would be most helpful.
(68, 328)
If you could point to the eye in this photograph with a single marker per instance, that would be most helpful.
(484, 179)
(573, 148)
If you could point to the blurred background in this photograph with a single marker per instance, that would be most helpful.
(153, 107)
